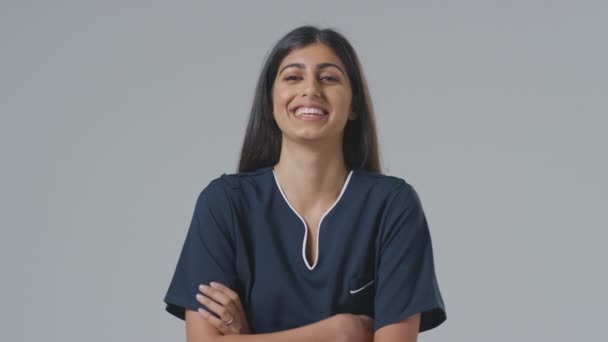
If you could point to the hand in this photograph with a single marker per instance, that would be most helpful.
(353, 328)
(227, 305)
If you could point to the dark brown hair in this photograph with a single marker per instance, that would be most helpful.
(262, 143)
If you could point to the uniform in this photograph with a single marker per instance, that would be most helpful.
(374, 253)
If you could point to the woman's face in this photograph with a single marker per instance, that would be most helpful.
(312, 95)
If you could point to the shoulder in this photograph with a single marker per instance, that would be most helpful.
(226, 187)
(240, 179)
(393, 198)
(384, 185)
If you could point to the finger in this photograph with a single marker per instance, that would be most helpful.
(226, 290)
(218, 309)
(234, 306)
(216, 322)
(215, 294)
(231, 294)
(219, 296)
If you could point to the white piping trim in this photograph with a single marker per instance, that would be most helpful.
(304, 222)
(361, 288)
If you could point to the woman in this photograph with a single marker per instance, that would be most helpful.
(308, 240)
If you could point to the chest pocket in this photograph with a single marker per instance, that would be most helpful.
(361, 292)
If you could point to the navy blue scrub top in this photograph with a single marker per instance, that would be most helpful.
(374, 253)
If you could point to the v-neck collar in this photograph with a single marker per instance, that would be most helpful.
(344, 187)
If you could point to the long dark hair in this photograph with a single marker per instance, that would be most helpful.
(262, 143)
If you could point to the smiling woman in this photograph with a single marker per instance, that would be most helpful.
(312, 70)
(308, 239)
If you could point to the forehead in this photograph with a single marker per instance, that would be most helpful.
(311, 55)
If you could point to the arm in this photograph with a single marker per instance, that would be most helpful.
(199, 330)
(405, 330)
(337, 328)
(406, 282)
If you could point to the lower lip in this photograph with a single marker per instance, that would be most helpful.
(305, 117)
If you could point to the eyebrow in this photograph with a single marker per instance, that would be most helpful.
(319, 66)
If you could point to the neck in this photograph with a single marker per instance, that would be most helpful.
(311, 176)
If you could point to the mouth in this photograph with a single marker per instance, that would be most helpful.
(307, 110)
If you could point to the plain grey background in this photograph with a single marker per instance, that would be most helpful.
(115, 115)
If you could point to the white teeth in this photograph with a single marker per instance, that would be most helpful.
(309, 110)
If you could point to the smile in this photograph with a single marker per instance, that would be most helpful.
(310, 111)
(310, 114)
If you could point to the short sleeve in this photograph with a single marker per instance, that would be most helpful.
(405, 274)
(207, 254)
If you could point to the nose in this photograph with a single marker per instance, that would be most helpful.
(311, 88)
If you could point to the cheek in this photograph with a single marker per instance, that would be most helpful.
(280, 98)
(343, 99)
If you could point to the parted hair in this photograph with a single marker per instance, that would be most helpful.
(262, 141)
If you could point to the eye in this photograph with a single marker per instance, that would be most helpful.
(329, 78)
(291, 78)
